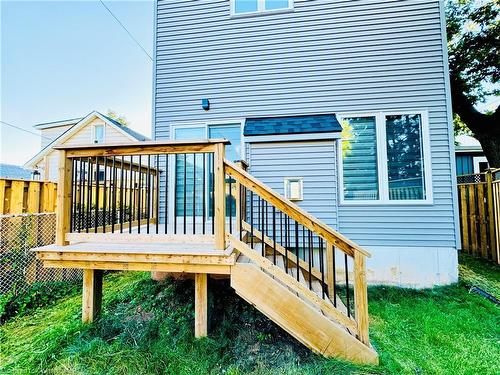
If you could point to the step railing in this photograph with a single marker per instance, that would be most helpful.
(147, 189)
(319, 257)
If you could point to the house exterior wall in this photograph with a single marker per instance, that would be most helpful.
(314, 161)
(84, 135)
(329, 56)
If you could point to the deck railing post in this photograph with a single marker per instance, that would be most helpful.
(219, 197)
(63, 211)
(361, 297)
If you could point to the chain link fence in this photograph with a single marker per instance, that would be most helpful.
(19, 267)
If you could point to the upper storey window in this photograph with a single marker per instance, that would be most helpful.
(243, 7)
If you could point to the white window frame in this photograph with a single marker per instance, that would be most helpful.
(287, 181)
(261, 9)
(383, 178)
(93, 137)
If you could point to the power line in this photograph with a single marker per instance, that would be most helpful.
(25, 130)
(128, 32)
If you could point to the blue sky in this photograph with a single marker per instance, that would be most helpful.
(63, 59)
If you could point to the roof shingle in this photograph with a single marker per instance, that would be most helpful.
(292, 125)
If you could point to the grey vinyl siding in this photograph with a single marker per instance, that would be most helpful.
(314, 161)
(327, 56)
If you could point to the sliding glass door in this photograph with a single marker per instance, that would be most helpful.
(193, 181)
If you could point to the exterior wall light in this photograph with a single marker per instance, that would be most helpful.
(205, 104)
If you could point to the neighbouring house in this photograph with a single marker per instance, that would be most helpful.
(343, 106)
(91, 129)
(16, 172)
(469, 155)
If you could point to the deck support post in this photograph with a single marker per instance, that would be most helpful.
(91, 294)
(200, 305)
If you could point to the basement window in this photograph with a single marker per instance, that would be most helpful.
(294, 187)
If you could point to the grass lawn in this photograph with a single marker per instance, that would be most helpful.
(147, 328)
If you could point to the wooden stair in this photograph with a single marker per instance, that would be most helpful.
(303, 313)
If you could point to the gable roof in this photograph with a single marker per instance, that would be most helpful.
(292, 125)
(126, 129)
(129, 133)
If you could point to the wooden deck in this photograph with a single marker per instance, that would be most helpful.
(131, 254)
(277, 256)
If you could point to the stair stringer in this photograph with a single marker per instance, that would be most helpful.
(307, 324)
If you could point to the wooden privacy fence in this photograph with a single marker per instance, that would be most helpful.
(479, 197)
(20, 196)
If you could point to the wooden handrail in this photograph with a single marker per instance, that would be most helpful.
(294, 211)
(142, 148)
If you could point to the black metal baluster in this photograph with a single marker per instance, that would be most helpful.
(240, 212)
(130, 194)
(89, 195)
(113, 194)
(185, 192)
(310, 257)
(121, 194)
(347, 286)
(286, 243)
(148, 194)
(204, 194)
(96, 211)
(322, 267)
(166, 194)
(262, 231)
(230, 205)
(213, 191)
(73, 195)
(81, 192)
(251, 219)
(105, 195)
(194, 193)
(139, 195)
(157, 196)
(258, 213)
(281, 229)
(176, 159)
(274, 235)
(297, 249)
(334, 279)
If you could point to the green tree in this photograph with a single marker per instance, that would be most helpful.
(473, 30)
(118, 118)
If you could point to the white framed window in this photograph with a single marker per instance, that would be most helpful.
(98, 133)
(294, 187)
(385, 158)
(249, 7)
